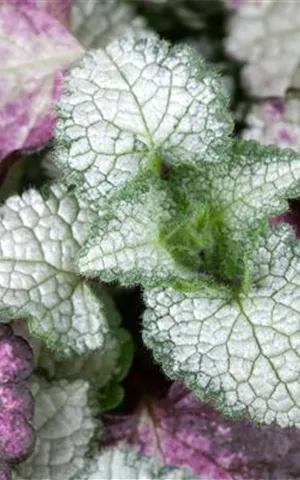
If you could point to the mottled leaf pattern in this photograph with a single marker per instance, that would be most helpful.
(133, 106)
(124, 464)
(39, 239)
(65, 424)
(244, 349)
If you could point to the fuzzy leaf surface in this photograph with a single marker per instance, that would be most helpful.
(156, 235)
(125, 244)
(35, 48)
(39, 239)
(253, 183)
(65, 425)
(244, 351)
(132, 106)
(125, 463)
(95, 24)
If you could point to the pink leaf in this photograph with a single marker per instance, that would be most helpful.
(59, 9)
(183, 431)
(34, 49)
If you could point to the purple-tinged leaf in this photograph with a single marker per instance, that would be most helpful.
(17, 437)
(16, 397)
(16, 359)
(264, 36)
(59, 9)
(277, 122)
(35, 48)
(183, 431)
(4, 471)
(292, 217)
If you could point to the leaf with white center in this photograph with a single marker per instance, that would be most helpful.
(127, 244)
(39, 239)
(95, 24)
(253, 184)
(242, 350)
(65, 424)
(265, 35)
(133, 107)
(125, 464)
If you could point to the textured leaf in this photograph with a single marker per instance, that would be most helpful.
(126, 245)
(211, 49)
(242, 350)
(95, 24)
(104, 368)
(17, 436)
(65, 426)
(16, 359)
(133, 106)
(39, 238)
(34, 49)
(254, 183)
(125, 464)
(265, 35)
(203, 221)
(16, 397)
(181, 430)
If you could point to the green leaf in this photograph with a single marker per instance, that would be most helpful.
(40, 236)
(128, 245)
(124, 464)
(255, 182)
(244, 350)
(197, 223)
(134, 107)
(65, 424)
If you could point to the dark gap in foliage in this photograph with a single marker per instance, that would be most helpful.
(22, 170)
(145, 376)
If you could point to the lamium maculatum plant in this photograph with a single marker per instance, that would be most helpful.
(150, 195)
